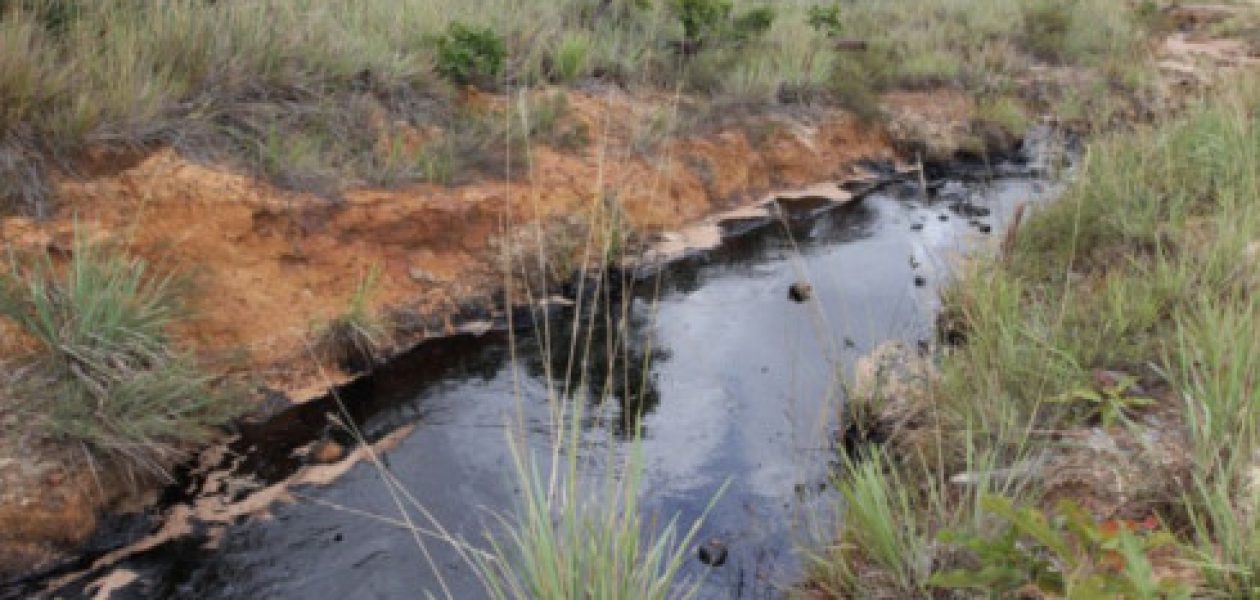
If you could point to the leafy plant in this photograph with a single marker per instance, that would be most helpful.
(1067, 555)
(1108, 401)
(470, 55)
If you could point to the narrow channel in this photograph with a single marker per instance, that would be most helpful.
(742, 386)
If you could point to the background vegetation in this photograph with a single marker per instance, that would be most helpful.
(303, 91)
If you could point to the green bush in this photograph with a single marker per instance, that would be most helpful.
(707, 22)
(825, 19)
(470, 55)
(752, 24)
(856, 79)
(701, 18)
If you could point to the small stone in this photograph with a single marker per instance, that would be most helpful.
(327, 451)
(800, 291)
(713, 553)
(916, 227)
(985, 228)
(920, 281)
(943, 218)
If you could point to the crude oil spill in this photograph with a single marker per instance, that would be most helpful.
(741, 386)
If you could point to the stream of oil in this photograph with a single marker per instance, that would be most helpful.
(741, 387)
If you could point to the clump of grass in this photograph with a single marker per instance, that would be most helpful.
(571, 59)
(566, 542)
(106, 374)
(358, 339)
(1217, 358)
(544, 117)
(883, 543)
(580, 529)
(1006, 113)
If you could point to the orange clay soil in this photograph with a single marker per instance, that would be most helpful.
(269, 267)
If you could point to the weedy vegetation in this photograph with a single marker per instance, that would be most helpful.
(1143, 272)
(308, 107)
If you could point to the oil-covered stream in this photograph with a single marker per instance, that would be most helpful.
(742, 385)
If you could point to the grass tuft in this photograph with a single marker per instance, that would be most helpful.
(358, 339)
(105, 374)
(565, 541)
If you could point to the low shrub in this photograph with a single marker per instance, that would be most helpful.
(470, 55)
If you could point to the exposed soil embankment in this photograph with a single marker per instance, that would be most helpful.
(269, 268)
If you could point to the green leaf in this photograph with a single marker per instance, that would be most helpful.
(1030, 522)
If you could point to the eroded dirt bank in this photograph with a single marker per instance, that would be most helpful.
(269, 268)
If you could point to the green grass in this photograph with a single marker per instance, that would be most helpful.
(882, 542)
(566, 540)
(981, 46)
(105, 374)
(357, 339)
(295, 90)
(1141, 267)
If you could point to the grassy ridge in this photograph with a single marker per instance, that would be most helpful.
(1146, 269)
(303, 92)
